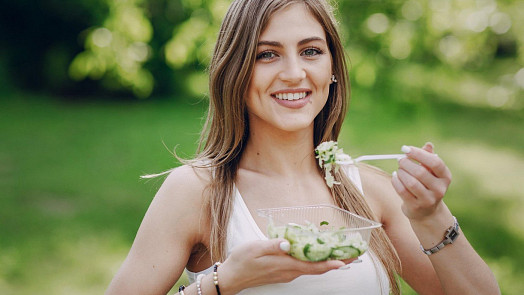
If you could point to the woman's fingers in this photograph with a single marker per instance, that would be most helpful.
(412, 184)
(431, 161)
(401, 188)
(411, 204)
(280, 247)
(434, 165)
(321, 266)
(421, 180)
(417, 172)
(429, 147)
(268, 247)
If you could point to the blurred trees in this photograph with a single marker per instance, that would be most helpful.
(39, 40)
(468, 50)
(118, 49)
(471, 51)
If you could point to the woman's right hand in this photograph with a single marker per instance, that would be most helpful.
(265, 262)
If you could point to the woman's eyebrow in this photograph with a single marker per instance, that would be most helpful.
(270, 43)
(301, 42)
(310, 39)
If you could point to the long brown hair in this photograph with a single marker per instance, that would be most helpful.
(226, 129)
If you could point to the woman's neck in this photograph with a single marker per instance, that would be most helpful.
(280, 153)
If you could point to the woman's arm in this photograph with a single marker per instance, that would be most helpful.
(417, 270)
(169, 230)
(411, 219)
(422, 184)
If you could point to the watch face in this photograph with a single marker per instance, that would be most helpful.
(452, 235)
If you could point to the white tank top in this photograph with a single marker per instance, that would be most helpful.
(361, 278)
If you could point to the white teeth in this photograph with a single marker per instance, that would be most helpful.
(291, 96)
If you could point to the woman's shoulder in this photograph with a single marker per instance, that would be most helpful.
(378, 190)
(186, 183)
(369, 173)
(181, 204)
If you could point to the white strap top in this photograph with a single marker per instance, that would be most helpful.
(361, 278)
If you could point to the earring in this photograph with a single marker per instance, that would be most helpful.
(333, 79)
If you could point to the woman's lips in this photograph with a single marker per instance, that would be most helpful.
(292, 99)
(291, 96)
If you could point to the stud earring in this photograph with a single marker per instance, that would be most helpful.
(333, 79)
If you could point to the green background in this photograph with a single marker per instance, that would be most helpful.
(94, 94)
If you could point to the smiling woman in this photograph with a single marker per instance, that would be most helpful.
(278, 88)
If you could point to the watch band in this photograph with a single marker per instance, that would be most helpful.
(451, 235)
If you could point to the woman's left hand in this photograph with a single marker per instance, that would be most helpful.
(421, 181)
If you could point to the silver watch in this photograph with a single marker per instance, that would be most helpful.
(451, 235)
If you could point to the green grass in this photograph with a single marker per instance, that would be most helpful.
(71, 199)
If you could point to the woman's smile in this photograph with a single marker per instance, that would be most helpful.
(291, 95)
(294, 99)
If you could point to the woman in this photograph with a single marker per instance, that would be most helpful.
(278, 88)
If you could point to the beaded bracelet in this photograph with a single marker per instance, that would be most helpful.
(199, 283)
(181, 289)
(215, 276)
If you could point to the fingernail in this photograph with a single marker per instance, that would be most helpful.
(394, 174)
(285, 246)
(405, 149)
(430, 144)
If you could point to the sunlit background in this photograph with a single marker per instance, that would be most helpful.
(95, 93)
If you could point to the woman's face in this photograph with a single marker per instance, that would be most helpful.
(292, 73)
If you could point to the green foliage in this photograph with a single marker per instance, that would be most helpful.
(392, 44)
(466, 46)
(473, 49)
(118, 50)
(193, 39)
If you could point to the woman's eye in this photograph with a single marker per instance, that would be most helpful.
(266, 55)
(312, 52)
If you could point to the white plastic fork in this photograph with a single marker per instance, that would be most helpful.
(370, 158)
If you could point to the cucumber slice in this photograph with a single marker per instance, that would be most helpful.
(292, 234)
(345, 252)
(276, 231)
(317, 252)
(297, 251)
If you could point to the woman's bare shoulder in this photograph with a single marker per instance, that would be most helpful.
(181, 204)
(182, 197)
(371, 174)
(378, 190)
(186, 182)
(174, 223)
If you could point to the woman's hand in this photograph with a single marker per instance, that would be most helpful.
(421, 181)
(264, 262)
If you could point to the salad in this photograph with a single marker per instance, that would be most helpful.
(328, 154)
(311, 243)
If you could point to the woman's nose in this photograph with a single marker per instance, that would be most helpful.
(292, 71)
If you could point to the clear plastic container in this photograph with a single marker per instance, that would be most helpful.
(320, 232)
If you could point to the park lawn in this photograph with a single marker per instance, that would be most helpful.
(71, 199)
